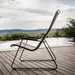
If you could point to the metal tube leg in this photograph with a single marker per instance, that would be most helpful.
(51, 57)
(21, 55)
(55, 64)
(51, 50)
(15, 56)
(22, 51)
(48, 51)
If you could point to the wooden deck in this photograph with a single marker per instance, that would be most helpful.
(65, 61)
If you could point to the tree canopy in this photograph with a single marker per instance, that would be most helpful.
(68, 31)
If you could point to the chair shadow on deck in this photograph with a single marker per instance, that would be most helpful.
(32, 61)
(24, 46)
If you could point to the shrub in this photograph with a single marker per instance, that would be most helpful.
(68, 31)
(0, 37)
(18, 36)
(5, 37)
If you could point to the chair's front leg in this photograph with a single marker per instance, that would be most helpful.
(23, 50)
(15, 55)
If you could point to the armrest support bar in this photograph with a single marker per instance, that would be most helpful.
(31, 38)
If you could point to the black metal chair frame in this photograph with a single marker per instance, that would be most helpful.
(40, 40)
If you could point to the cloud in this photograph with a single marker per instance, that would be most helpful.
(39, 11)
(0, 16)
(67, 2)
(71, 10)
(34, 14)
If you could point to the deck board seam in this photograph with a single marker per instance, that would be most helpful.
(29, 64)
(63, 70)
(45, 65)
(17, 61)
(5, 68)
(9, 64)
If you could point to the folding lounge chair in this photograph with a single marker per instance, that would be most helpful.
(40, 40)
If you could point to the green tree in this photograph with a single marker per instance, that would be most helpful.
(5, 37)
(68, 31)
(57, 33)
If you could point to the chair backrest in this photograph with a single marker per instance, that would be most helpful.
(54, 18)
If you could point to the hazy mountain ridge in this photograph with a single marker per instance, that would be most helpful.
(28, 31)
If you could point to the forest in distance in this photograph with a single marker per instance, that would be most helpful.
(17, 34)
(68, 31)
(27, 31)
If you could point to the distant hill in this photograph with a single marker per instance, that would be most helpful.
(28, 31)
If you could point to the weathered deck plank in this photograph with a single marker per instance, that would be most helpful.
(65, 60)
(4, 69)
(7, 65)
(1, 72)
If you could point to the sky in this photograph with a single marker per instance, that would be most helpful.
(34, 14)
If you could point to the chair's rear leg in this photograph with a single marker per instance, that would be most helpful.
(51, 56)
(48, 51)
(51, 50)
